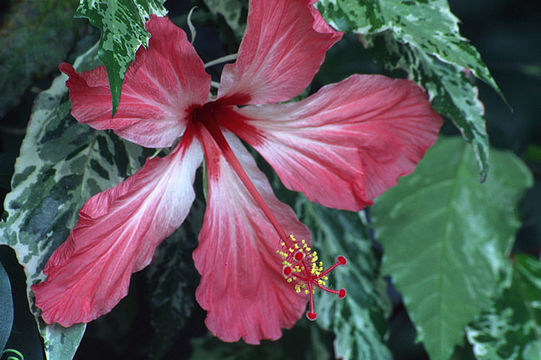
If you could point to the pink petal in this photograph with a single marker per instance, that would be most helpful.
(346, 144)
(159, 88)
(116, 235)
(283, 47)
(242, 287)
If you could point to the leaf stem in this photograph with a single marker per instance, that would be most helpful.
(223, 59)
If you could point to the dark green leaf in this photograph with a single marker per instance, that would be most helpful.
(6, 308)
(303, 342)
(358, 320)
(34, 38)
(512, 328)
(232, 11)
(122, 26)
(172, 281)
(53, 178)
(447, 238)
(7, 163)
(422, 37)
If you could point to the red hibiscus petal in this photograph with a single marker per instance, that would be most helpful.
(158, 89)
(116, 235)
(283, 47)
(242, 286)
(346, 144)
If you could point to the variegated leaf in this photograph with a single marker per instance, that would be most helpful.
(512, 328)
(422, 37)
(122, 26)
(172, 280)
(62, 163)
(356, 319)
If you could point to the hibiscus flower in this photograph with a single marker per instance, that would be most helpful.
(342, 147)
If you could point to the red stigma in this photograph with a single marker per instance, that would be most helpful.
(299, 255)
(311, 316)
(287, 270)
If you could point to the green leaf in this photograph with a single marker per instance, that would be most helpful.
(304, 342)
(422, 38)
(62, 164)
(122, 26)
(512, 328)
(6, 308)
(358, 320)
(35, 36)
(233, 11)
(172, 280)
(451, 91)
(447, 237)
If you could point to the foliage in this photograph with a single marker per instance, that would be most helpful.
(232, 11)
(6, 308)
(122, 26)
(172, 279)
(447, 238)
(422, 38)
(62, 164)
(356, 320)
(511, 329)
(28, 54)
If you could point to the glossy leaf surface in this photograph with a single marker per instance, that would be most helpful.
(446, 239)
(512, 328)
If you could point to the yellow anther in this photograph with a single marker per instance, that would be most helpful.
(289, 280)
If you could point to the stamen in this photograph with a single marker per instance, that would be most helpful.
(301, 267)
